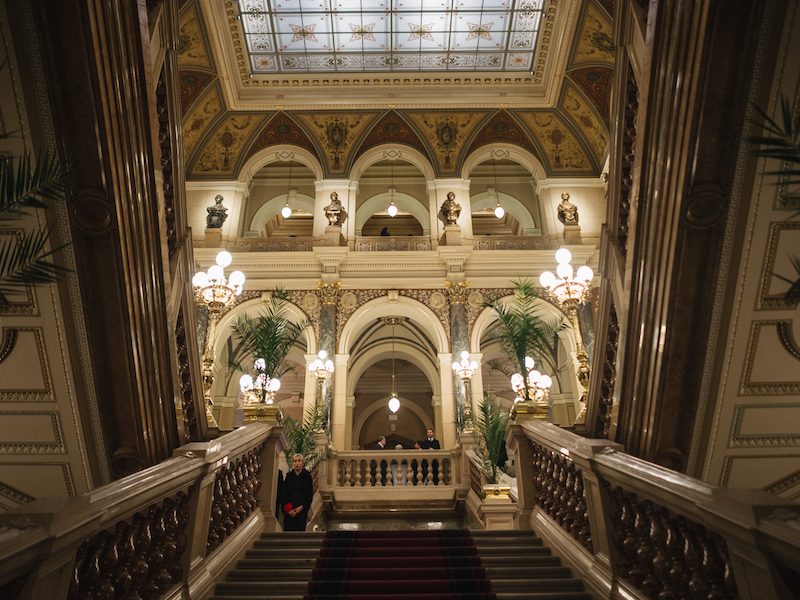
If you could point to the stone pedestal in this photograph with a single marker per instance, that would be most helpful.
(452, 235)
(498, 512)
(572, 234)
(213, 238)
(333, 236)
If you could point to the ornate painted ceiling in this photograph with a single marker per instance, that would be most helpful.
(230, 114)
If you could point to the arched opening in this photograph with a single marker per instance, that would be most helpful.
(501, 186)
(274, 187)
(392, 183)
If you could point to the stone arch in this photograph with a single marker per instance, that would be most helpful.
(279, 153)
(273, 207)
(498, 151)
(404, 202)
(511, 205)
(385, 350)
(390, 306)
(397, 152)
(251, 308)
(377, 405)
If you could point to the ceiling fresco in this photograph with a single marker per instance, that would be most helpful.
(569, 137)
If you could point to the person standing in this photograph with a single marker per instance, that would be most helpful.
(381, 445)
(298, 492)
(430, 443)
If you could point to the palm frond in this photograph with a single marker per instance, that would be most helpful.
(269, 336)
(301, 435)
(27, 261)
(25, 186)
(492, 425)
(523, 329)
(780, 140)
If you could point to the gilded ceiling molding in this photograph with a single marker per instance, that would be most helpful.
(206, 111)
(219, 155)
(593, 43)
(446, 133)
(193, 82)
(564, 154)
(783, 240)
(281, 128)
(595, 83)
(392, 128)
(501, 128)
(786, 336)
(589, 123)
(787, 387)
(783, 484)
(43, 394)
(192, 45)
(54, 446)
(337, 134)
(760, 440)
(7, 342)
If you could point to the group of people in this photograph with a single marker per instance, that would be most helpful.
(400, 471)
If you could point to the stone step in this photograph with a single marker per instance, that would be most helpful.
(543, 596)
(277, 563)
(273, 574)
(261, 588)
(544, 560)
(539, 585)
(509, 550)
(527, 572)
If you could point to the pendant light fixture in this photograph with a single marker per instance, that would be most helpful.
(392, 210)
(286, 211)
(499, 211)
(394, 401)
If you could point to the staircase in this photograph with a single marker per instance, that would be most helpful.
(433, 565)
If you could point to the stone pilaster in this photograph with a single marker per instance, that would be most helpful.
(459, 339)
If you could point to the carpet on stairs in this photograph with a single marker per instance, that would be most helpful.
(399, 565)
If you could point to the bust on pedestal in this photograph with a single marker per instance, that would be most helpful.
(449, 213)
(215, 218)
(568, 215)
(336, 216)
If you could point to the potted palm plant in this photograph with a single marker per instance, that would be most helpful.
(261, 345)
(523, 332)
(492, 426)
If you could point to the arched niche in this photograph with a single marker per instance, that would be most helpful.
(511, 205)
(388, 349)
(380, 404)
(279, 153)
(393, 305)
(404, 202)
(273, 206)
(253, 308)
(392, 152)
(503, 151)
(548, 311)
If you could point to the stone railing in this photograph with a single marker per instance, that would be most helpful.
(274, 244)
(383, 243)
(636, 530)
(396, 468)
(166, 532)
(512, 242)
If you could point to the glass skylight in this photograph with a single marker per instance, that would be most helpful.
(324, 36)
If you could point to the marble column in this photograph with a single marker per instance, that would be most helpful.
(447, 408)
(459, 342)
(338, 408)
(329, 294)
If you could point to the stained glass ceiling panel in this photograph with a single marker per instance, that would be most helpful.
(326, 36)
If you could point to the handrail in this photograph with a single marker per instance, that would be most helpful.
(636, 529)
(159, 531)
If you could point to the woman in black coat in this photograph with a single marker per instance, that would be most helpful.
(298, 492)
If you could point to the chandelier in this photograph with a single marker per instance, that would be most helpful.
(568, 288)
(537, 384)
(213, 289)
(499, 211)
(261, 388)
(394, 401)
(321, 367)
(392, 210)
(286, 211)
(464, 370)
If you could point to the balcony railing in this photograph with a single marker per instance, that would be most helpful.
(167, 531)
(635, 529)
(412, 243)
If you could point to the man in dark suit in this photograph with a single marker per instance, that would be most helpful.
(381, 445)
(430, 443)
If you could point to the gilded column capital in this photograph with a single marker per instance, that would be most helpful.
(328, 292)
(457, 291)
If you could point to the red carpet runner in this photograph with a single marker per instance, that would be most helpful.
(399, 565)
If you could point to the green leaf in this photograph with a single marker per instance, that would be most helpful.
(27, 261)
(492, 424)
(28, 187)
